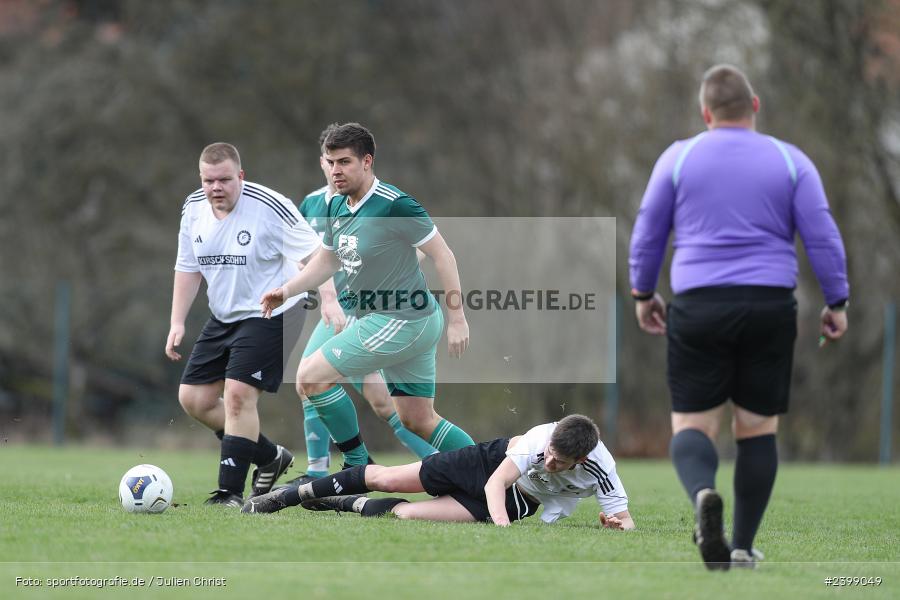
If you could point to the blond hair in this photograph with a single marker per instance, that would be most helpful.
(220, 152)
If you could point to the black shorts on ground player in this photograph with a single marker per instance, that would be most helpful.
(731, 342)
(253, 351)
(462, 474)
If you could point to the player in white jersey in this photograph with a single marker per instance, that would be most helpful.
(501, 481)
(543, 471)
(242, 238)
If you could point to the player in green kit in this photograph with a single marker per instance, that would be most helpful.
(335, 416)
(371, 235)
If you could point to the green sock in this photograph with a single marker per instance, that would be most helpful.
(317, 438)
(336, 410)
(447, 436)
(413, 443)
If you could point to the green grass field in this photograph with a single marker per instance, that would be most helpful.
(60, 518)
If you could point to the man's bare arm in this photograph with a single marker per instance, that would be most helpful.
(184, 290)
(495, 490)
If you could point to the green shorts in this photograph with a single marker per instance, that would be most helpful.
(404, 350)
(321, 334)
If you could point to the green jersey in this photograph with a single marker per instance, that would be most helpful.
(376, 242)
(314, 209)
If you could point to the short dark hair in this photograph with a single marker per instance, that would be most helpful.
(220, 152)
(353, 136)
(726, 92)
(574, 437)
(324, 135)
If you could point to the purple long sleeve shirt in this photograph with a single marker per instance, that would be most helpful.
(735, 199)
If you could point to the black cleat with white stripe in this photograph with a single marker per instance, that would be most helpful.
(272, 502)
(265, 477)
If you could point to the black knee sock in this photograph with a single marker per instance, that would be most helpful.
(343, 483)
(695, 459)
(375, 507)
(754, 477)
(237, 453)
(266, 451)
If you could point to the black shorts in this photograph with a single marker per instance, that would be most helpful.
(731, 342)
(253, 351)
(462, 474)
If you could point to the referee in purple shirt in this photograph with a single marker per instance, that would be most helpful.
(735, 199)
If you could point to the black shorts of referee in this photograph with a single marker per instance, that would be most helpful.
(462, 474)
(253, 351)
(731, 343)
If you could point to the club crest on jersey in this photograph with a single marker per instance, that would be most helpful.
(243, 237)
(350, 259)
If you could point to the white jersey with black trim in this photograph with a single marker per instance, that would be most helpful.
(252, 250)
(559, 492)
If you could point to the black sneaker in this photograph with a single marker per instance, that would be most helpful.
(264, 477)
(709, 533)
(266, 503)
(335, 503)
(225, 498)
(301, 479)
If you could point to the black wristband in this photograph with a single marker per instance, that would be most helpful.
(641, 296)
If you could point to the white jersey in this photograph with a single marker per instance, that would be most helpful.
(559, 492)
(252, 250)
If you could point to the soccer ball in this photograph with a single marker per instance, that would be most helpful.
(145, 489)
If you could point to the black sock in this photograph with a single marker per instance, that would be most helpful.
(292, 496)
(695, 459)
(266, 451)
(754, 477)
(237, 453)
(342, 483)
(375, 507)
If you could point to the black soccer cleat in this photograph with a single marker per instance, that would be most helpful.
(224, 498)
(265, 477)
(296, 482)
(335, 503)
(272, 502)
(709, 534)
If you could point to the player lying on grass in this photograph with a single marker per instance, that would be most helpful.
(500, 481)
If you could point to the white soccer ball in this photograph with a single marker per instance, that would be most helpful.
(145, 489)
